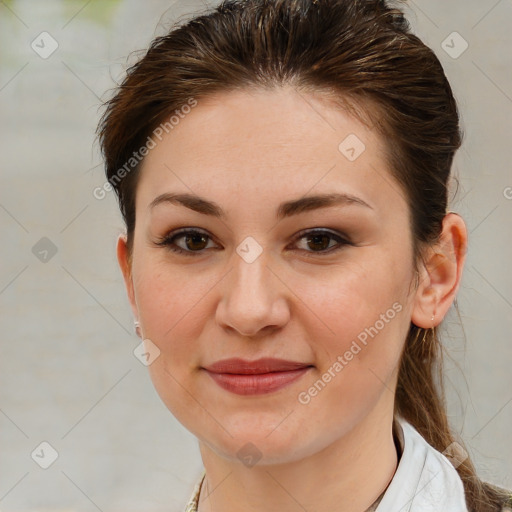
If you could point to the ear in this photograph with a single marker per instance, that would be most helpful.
(440, 273)
(125, 263)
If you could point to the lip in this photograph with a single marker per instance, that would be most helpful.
(259, 366)
(261, 376)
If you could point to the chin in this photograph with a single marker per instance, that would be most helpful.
(261, 453)
(252, 445)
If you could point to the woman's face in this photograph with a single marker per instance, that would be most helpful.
(272, 272)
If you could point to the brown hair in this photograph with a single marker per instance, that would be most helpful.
(362, 54)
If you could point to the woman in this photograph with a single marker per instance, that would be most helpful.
(282, 167)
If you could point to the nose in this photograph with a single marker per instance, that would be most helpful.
(254, 300)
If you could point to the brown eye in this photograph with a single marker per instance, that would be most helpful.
(192, 242)
(195, 241)
(321, 241)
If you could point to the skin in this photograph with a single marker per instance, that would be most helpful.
(248, 152)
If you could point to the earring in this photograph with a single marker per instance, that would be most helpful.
(136, 325)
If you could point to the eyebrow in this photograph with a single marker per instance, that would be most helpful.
(286, 209)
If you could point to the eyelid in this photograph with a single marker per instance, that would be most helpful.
(167, 240)
(340, 238)
(310, 231)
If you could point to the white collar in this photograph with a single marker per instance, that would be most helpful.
(425, 480)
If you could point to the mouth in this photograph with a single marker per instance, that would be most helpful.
(256, 377)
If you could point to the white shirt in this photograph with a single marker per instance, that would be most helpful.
(425, 480)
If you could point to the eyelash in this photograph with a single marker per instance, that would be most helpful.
(168, 241)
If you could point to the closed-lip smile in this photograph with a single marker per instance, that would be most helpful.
(260, 376)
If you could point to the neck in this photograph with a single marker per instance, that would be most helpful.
(348, 476)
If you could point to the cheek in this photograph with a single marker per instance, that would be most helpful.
(172, 309)
(362, 312)
(348, 300)
(358, 354)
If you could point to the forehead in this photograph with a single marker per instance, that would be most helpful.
(268, 143)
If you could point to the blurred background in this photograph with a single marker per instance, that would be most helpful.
(73, 397)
